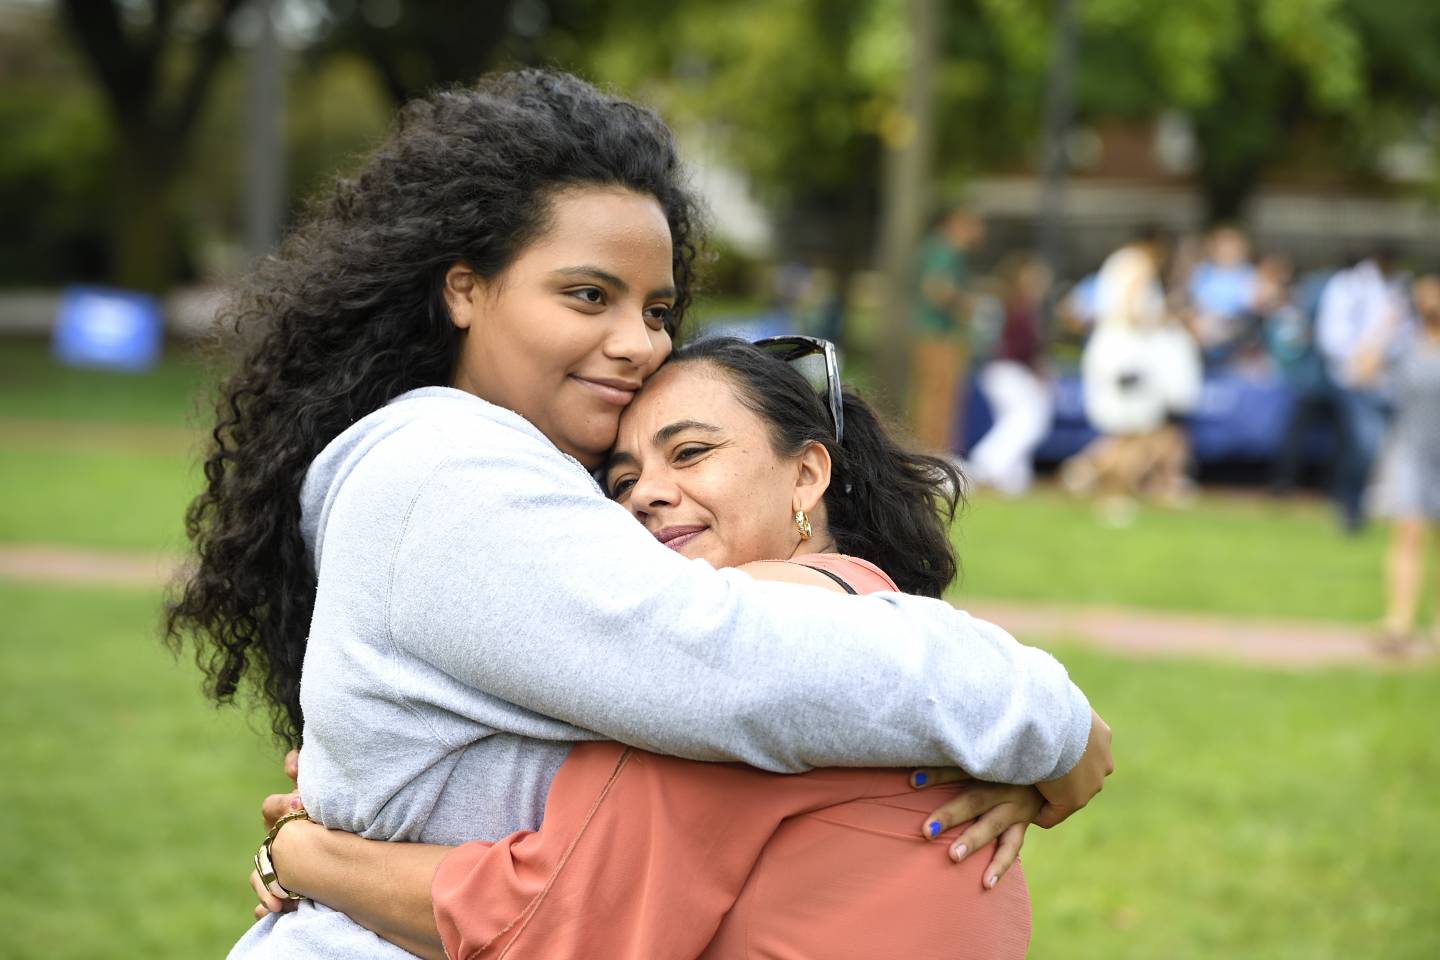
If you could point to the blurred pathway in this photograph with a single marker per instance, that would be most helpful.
(1156, 633)
(82, 566)
(1126, 631)
(86, 436)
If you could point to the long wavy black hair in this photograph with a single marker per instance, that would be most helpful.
(350, 313)
(885, 504)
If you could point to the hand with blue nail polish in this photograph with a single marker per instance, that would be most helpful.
(996, 812)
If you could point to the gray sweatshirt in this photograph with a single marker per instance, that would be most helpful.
(482, 606)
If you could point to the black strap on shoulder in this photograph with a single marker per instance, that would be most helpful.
(833, 576)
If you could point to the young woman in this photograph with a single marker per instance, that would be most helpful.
(729, 455)
(399, 499)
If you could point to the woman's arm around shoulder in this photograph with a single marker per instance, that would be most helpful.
(517, 577)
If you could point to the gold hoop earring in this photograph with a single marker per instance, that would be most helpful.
(802, 523)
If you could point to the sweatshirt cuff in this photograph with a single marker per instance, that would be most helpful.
(1077, 735)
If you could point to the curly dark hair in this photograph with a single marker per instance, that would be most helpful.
(885, 504)
(350, 313)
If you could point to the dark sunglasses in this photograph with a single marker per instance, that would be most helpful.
(815, 360)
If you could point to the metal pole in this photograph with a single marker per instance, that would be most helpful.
(265, 150)
(1059, 114)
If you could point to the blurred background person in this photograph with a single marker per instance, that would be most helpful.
(1221, 291)
(1140, 376)
(1075, 312)
(1013, 381)
(1286, 312)
(1409, 489)
(941, 319)
(1362, 309)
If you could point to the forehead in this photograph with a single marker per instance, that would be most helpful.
(683, 391)
(626, 228)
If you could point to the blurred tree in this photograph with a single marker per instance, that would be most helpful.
(417, 47)
(154, 63)
(802, 95)
(806, 96)
(1254, 74)
(336, 109)
(52, 168)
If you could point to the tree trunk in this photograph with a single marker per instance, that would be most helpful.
(1228, 189)
(904, 201)
(145, 249)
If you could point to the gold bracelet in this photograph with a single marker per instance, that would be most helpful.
(265, 866)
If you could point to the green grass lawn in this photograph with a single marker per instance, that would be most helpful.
(1225, 556)
(113, 499)
(34, 386)
(131, 805)
(97, 458)
(1228, 556)
(1252, 814)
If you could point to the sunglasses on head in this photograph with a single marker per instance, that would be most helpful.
(815, 360)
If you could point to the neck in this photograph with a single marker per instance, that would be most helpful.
(820, 542)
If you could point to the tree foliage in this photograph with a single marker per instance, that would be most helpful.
(802, 97)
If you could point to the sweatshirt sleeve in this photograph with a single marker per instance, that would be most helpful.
(515, 576)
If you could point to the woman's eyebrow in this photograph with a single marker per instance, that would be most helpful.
(668, 431)
(619, 457)
(591, 273)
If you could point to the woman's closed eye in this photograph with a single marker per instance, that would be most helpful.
(684, 454)
(620, 487)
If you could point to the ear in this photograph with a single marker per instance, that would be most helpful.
(462, 295)
(812, 477)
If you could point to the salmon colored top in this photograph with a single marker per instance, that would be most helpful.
(650, 857)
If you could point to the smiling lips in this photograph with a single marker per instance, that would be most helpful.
(618, 392)
(677, 537)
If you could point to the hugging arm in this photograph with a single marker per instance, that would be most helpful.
(386, 887)
(770, 674)
(383, 886)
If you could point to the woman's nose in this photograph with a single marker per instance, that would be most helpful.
(632, 340)
(652, 492)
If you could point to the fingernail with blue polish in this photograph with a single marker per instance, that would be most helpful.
(933, 828)
(920, 779)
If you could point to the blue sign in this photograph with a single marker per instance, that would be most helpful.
(98, 327)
